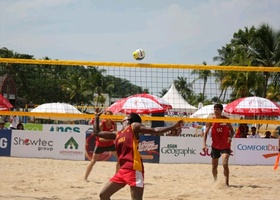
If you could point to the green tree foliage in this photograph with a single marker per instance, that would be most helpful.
(183, 87)
(202, 74)
(71, 84)
(78, 84)
(251, 47)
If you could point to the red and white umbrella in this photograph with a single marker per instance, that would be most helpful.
(251, 106)
(5, 105)
(141, 104)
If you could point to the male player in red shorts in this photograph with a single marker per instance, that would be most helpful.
(222, 134)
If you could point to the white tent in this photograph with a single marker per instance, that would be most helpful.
(178, 103)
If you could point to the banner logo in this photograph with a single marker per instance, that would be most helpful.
(65, 129)
(43, 145)
(173, 149)
(73, 146)
(71, 143)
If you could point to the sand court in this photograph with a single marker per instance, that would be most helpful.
(41, 179)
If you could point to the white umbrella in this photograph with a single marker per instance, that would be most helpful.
(56, 108)
(208, 112)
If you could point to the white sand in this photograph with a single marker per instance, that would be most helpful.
(41, 179)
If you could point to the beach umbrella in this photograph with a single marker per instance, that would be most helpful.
(208, 112)
(5, 105)
(253, 106)
(56, 108)
(141, 104)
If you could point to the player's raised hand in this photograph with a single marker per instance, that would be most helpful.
(98, 111)
(180, 124)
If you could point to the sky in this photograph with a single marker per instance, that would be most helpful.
(177, 31)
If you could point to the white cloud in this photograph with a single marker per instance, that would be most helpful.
(188, 32)
(175, 31)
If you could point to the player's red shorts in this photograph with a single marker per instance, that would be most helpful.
(130, 177)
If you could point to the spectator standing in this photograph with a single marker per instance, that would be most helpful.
(242, 131)
(2, 124)
(14, 121)
(254, 133)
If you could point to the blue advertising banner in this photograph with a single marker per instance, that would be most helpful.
(149, 148)
(5, 142)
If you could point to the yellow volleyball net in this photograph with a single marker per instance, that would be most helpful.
(157, 79)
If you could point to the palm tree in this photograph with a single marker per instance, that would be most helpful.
(163, 92)
(184, 88)
(223, 77)
(246, 84)
(257, 47)
(273, 92)
(240, 43)
(250, 47)
(265, 50)
(99, 98)
(202, 74)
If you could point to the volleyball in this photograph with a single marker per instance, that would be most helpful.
(139, 54)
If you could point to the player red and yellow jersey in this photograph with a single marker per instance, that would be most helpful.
(101, 143)
(127, 150)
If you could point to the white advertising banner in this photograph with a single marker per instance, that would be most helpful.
(181, 150)
(187, 150)
(71, 146)
(251, 151)
(41, 144)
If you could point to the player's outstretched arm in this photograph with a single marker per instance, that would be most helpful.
(97, 132)
(157, 130)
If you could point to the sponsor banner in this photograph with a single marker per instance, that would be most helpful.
(186, 150)
(251, 151)
(70, 146)
(149, 148)
(181, 150)
(66, 128)
(32, 144)
(190, 132)
(47, 145)
(5, 142)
